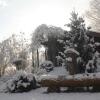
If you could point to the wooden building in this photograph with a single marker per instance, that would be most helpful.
(96, 36)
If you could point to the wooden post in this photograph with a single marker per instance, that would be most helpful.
(71, 61)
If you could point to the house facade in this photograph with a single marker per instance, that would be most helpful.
(96, 36)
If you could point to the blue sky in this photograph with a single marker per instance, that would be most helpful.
(25, 15)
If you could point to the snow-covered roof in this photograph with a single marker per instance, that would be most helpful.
(71, 50)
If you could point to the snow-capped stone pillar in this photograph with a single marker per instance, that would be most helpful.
(71, 61)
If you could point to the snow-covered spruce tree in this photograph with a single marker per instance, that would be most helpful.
(77, 39)
(78, 31)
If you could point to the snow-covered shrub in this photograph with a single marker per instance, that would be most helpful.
(21, 82)
(29, 69)
(98, 65)
(47, 65)
(60, 60)
(41, 71)
(90, 68)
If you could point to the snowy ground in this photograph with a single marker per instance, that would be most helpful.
(39, 94)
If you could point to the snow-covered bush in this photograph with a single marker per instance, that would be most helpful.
(90, 68)
(21, 82)
(29, 69)
(47, 65)
(96, 59)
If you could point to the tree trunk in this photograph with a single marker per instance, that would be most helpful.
(37, 58)
(33, 59)
(46, 56)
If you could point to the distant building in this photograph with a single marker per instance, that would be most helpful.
(96, 36)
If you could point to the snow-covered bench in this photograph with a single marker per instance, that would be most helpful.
(79, 80)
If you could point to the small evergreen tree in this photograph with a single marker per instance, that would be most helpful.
(78, 31)
(77, 39)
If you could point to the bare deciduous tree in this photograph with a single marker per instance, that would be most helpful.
(93, 14)
(11, 49)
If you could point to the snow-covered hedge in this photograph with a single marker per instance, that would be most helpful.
(21, 82)
(48, 65)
